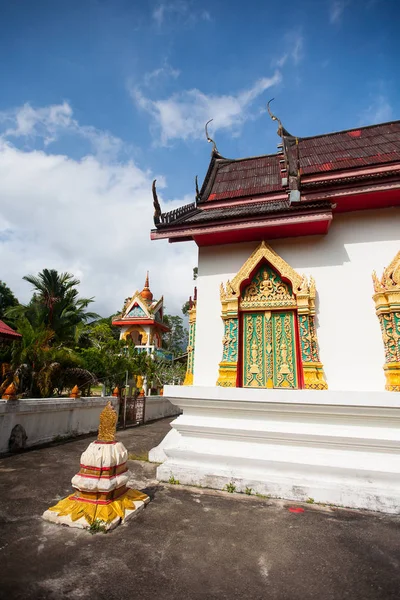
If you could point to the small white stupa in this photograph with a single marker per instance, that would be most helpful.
(102, 496)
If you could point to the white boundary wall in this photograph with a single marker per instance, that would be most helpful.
(45, 419)
(341, 263)
(159, 407)
(335, 447)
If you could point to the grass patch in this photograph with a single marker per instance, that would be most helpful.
(264, 496)
(173, 481)
(310, 501)
(230, 487)
(248, 491)
(98, 526)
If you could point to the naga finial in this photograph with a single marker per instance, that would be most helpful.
(197, 189)
(273, 117)
(281, 130)
(210, 140)
(156, 204)
(108, 424)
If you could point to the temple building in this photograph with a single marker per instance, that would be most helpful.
(142, 320)
(274, 233)
(298, 305)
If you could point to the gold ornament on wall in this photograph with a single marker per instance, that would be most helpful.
(387, 306)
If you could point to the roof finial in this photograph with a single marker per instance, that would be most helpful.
(210, 140)
(146, 293)
(281, 130)
(156, 204)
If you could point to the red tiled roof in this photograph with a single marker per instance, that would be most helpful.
(7, 331)
(250, 176)
(363, 147)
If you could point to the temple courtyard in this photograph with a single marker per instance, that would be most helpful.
(188, 543)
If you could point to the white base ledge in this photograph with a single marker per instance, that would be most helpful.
(336, 447)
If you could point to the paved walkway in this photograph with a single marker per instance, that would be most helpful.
(188, 544)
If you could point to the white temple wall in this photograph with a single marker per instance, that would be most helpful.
(341, 262)
(46, 419)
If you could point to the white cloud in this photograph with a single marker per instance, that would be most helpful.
(164, 72)
(91, 217)
(178, 12)
(378, 111)
(336, 10)
(183, 115)
(293, 45)
(51, 122)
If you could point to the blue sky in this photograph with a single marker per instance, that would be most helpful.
(98, 97)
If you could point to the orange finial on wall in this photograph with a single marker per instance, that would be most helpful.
(10, 392)
(75, 392)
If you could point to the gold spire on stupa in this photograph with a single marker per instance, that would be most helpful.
(108, 424)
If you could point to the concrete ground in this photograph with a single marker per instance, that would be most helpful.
(189, 543)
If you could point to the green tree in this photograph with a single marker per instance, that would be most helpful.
(175, 340)
(169, 372)
(109, 359)
(7, 300)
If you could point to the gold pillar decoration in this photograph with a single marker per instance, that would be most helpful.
(192, 340)
(270, 297)
(387, 305)
(228, 366)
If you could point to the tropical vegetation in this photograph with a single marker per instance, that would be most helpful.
(65, 344)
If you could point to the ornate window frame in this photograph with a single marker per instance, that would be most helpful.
(304, 293)
(387, 306)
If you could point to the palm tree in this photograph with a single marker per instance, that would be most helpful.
(51, 287)
(49, 325)
(57, 293)
(55, 305)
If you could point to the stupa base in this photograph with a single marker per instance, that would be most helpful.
(81, 514)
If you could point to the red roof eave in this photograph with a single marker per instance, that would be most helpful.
(123, 322)
(270, 227)
(6, 331)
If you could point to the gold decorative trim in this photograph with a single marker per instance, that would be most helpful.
(227, 374)
(188, 379)
(387, 306)
(91, 512)
(265, 252)
(314, 376)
